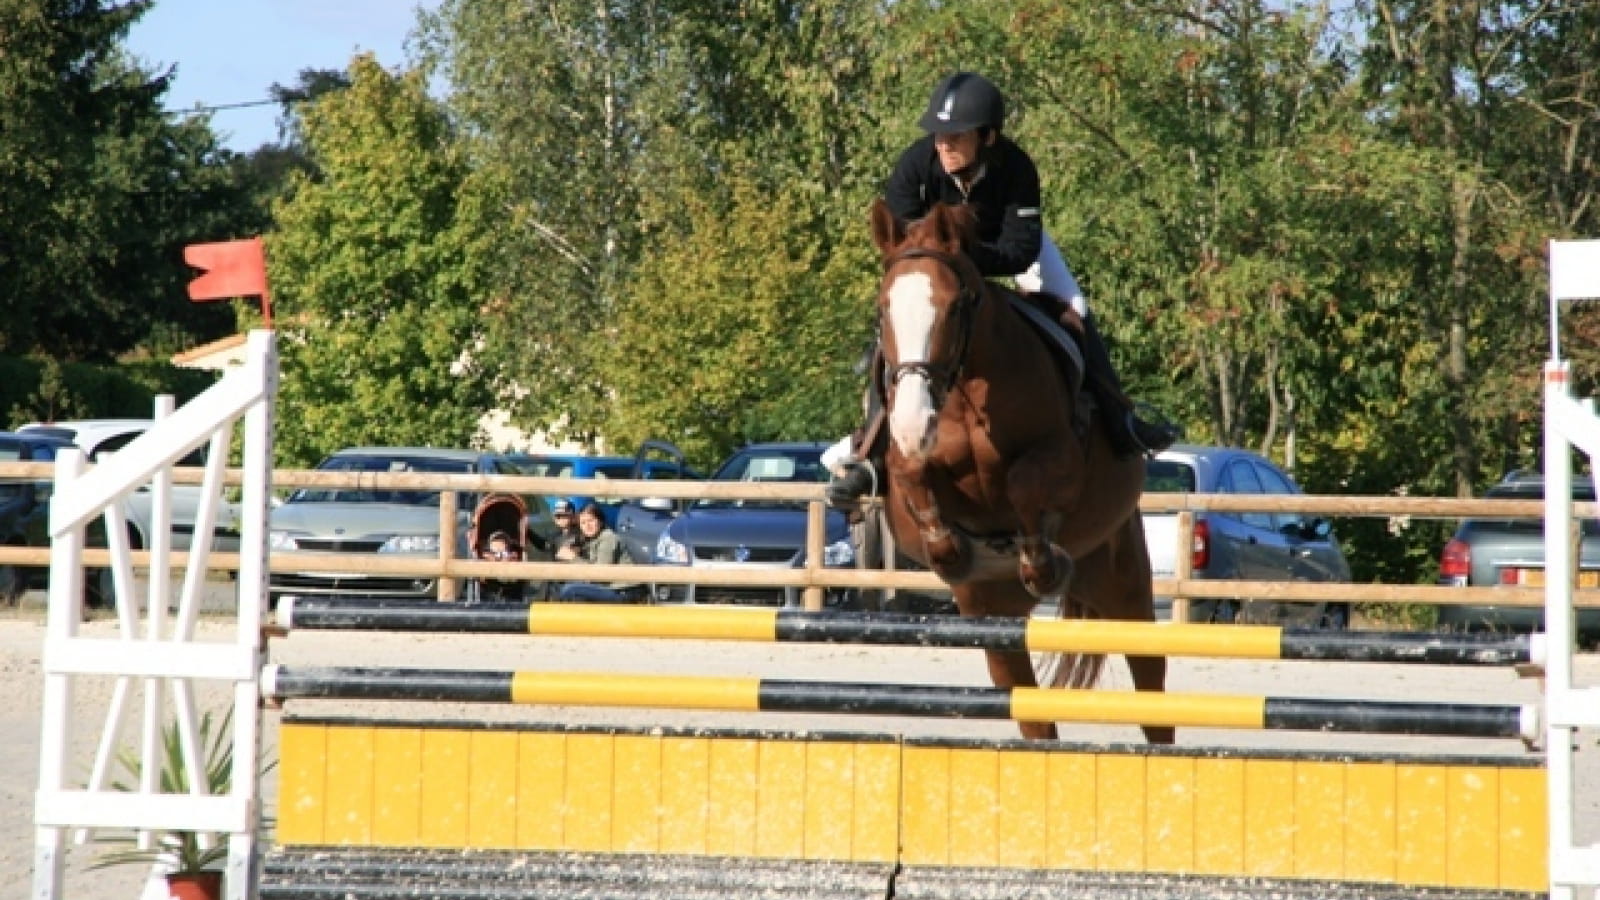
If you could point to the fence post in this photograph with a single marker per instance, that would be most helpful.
(816, 526)
(1183, 563)
(447, 543)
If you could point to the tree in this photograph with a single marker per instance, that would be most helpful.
(379, 276)
(754, 347)
(592, 124)
(98, 190)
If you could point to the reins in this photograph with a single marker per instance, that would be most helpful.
(942, 377)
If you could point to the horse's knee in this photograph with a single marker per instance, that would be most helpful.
(950, 558)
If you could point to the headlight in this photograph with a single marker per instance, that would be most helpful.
(411, 543)
(671, 551)
(281, 540)
(839, 553)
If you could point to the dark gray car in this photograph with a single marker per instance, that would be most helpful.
(25, 509)
(1486, 552)
(1247, 546)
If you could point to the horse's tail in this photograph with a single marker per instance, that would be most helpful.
(1070, 670)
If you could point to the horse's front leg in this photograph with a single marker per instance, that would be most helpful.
(949, 553)
(1039, 487)
(1007, 668)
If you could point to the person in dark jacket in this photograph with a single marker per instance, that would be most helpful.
(964, 158)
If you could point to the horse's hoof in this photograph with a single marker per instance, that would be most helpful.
(1050, 579)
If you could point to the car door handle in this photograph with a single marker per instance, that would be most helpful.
(1302, 552)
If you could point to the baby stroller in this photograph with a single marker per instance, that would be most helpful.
(503, 516)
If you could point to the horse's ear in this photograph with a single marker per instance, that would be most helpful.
(951, 225)
(887, 232)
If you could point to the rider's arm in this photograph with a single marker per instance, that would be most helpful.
(1017, 245)
(904, 192)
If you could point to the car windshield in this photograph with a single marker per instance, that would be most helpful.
(1165, 476)
(403, 497)
(797, 466)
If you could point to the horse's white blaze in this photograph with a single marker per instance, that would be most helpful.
(911, 318)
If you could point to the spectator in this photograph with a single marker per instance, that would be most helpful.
(567, 542)
(602, 547)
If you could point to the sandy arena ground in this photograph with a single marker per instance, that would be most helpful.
(22, 633)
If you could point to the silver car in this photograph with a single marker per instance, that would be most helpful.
(1487, 552)
(1249, 546)
(99, 438)
(399, 522)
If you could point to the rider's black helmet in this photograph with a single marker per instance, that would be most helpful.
(962, 102)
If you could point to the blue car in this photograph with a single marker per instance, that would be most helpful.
(744, 534)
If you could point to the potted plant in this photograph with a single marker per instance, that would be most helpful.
(190, 858)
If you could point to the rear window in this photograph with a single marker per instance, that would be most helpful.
(382, 464)
(1165, 476)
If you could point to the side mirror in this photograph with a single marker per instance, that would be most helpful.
(1317, 529)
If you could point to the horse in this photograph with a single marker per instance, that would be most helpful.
(1000, 478)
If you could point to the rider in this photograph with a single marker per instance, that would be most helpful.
(965, 159)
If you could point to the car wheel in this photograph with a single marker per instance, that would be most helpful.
(13, 584)
(1336, 617)
(1226, 612)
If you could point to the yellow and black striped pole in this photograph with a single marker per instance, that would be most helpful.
(799, 626)
(943, 701)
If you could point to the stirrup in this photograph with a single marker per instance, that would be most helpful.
(845, 491)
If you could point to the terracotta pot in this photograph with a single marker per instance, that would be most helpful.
(195, 886)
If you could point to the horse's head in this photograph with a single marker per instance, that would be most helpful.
(925, 306)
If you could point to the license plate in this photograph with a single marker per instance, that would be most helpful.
(1535, 578)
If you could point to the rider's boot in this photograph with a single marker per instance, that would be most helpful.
(1130, 435)
(862, 476)
(844, 491)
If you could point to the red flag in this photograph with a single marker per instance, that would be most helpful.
(232, 269)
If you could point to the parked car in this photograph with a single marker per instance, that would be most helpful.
(1253, 546)
(571, 465)
(99, 438)
(1486, 552)
(744, 534)
(25, 509)
(382, 521)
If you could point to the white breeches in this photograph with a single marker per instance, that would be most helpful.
(1050, 274)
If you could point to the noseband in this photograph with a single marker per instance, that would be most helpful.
(943, 376)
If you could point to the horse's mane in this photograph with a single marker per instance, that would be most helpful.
(944, 227)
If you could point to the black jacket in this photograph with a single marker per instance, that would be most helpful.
(1005, 197)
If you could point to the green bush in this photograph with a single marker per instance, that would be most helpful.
(34, 389)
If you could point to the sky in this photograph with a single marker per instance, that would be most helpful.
(232, 51)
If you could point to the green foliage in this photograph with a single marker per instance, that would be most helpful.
(750, 277)
(46, 390)
(188, 852)
(378, 276)
(99, 190)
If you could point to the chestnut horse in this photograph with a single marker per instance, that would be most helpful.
(997, 480)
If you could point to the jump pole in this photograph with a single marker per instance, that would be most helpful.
(989, 633)
(961, 702)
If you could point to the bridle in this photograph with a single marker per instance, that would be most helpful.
(942, 376)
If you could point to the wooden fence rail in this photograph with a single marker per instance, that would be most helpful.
(814, 578)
